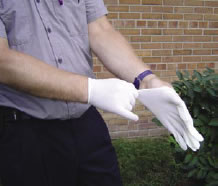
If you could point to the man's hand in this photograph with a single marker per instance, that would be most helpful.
(172, 112)
(113, 95)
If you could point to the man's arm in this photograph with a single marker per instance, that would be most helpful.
(117, 54)
(37, 78)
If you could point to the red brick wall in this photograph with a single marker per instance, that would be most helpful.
(168, 35)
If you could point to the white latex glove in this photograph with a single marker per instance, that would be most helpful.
(113, 95)
(172, 112)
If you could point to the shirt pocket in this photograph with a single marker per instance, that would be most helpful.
(15, 15)
(72, 15)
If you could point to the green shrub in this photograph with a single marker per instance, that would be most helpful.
(200, 93)
(147, 162)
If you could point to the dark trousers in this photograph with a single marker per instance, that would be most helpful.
(75, 152)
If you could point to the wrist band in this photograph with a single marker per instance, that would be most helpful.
(140, 77)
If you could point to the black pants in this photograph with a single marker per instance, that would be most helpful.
(75, 152)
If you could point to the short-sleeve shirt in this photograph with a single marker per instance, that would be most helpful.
(55, 34)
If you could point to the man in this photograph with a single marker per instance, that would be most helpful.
(51, 134)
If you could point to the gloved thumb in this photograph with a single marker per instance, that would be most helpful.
(128, 114)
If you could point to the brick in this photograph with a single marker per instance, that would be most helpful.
(171, 66)
(210, 32)
(210, 65)
(140, 38)
(182, 52)
(162, 24)
(193, 3)
(173, 32)
(182, 38)
(135, 46)
(172, 59)
(151, 46)
(129, 15)
(104, 75)
(192, 45)
(158, 132)
(118, 8)
(211, 3)
(210, 45)
(151, 59)
(129, 2)
(192, 66)
(153, 66)
(172, 45)
(216, 11)
(201, 65)
(173, 24)
(152, 2)
(121, 134)
(172, 16)
(161, 38)
(143, 53)
(161, 9)
(111, 2)
(193, 32)
(201, 52)
(215, 52)
(112, 16)
(203, 24)
(140, 9)
(147, 126)
(138, 133)
(181, 66)
(173, 2)
(204, 10)
(213, 24)
(215, 38)
(191, 58)
(161, 53)
(118, 122)
(211, 17)
(161, 67)
(151, 16)
(193, 17)
(183, 24)
(183, 10)
(193, 24)
(97, 68)
(141, 23)
(152, 24)
(130, 31)
(151, 31)
(124, 24)
(202, 38)
(210, 58)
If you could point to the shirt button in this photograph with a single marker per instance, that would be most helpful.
(49, 30)
(60, 60)
(38, 1)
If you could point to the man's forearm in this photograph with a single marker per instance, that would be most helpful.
(114, 51)
(33, 76)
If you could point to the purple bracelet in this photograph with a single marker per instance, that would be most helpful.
(61, 2)
(140, 77)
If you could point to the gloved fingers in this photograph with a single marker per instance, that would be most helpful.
(184, 113)
(132, 100)
(127, 114)
(129, 107)
(132, 89)
(193, 131)
(174, 97)
(180, 141)
(192, 143)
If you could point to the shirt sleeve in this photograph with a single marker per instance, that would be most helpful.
(95, 9)
(2, 29)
